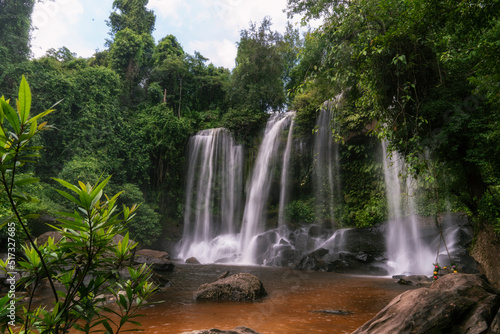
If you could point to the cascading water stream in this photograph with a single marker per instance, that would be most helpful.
(259, 184)
(326, 165)
(213, 193)
(406, 251)
(215, 230)
(284, 177)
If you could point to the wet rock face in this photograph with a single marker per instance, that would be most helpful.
(239, 287)
(455, 303)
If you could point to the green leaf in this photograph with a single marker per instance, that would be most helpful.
(99, 187)
(68, 196)
(68, 185)
(24, 100)
(33, 129)
(11, 116)
(2, 114)
(28, 180)
(40, 115)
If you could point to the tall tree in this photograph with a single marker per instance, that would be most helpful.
(257, 81)
(15, 26)
(131, 14)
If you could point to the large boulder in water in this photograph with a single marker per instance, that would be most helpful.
(455, 303)
(239, 287)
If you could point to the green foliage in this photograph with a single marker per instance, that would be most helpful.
(146, 226)
(245, 124)
(307, 106)
(15, 27)
(415, 67)
(133, 15)
(257, 81)
(164, 137)
(300, 212)
(129, 54)
(84, 261)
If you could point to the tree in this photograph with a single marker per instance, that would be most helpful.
(15, 27)
(257, 81)
(15, 37)
(415, 65)
(133, 15)
(128, 53)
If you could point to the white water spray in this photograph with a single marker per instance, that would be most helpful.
(259, 184)
(406, 251)
(213, 193)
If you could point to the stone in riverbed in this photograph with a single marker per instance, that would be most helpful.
(455, 303)
(239, 287)
(158, 260)
(237, 330)
(193, 260)
(337, 312)
(418, 280)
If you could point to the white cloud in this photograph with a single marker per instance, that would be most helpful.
(52, 22)
(78, 25)
(171, 10)
(220, 53)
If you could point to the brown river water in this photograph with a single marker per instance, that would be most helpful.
(292, 297)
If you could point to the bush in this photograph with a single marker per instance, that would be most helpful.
(85, 261)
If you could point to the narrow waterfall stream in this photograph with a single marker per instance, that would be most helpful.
(326, 165)
(259, 184)
(213, 196)
(406, 251)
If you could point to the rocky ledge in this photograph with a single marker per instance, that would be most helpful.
(239, 287)
(455, 303)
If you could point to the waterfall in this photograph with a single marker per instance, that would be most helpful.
(284, 177)
(259, 184)
(213, 193)
(406, 250)
(326, 165)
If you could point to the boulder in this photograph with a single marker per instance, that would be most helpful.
(43, 238)
(237, 287)
(341, 262)
(313, 261)
(485, 252)
(158, 260)
(237, 330)
(192, 260)
(417, 280)
(455, 303)
(369, 240)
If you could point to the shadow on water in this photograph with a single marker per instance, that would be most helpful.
(293, 297)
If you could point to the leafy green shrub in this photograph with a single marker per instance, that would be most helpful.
(85, 262)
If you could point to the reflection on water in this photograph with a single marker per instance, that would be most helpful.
(287, 309)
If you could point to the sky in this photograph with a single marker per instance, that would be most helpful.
(211, 27)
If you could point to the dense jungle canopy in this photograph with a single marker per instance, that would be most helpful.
(423, 75)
